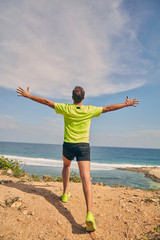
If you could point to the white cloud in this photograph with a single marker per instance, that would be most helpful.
(54, 45)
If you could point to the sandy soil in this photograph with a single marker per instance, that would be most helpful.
(33, 210)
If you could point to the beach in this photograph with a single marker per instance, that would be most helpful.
(33, 210)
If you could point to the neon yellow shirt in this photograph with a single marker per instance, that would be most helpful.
(77, 121)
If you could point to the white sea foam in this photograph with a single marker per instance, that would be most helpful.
(59, 163)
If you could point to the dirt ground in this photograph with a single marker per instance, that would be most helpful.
(33, 210)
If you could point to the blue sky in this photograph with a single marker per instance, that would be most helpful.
(111, 48)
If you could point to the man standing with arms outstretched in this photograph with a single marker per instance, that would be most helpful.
(77, 119)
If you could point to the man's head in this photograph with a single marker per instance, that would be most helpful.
(78, 94)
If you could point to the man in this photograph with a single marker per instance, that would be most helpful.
(77, 119)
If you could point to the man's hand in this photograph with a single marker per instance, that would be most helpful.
(114, 107)
(131, 102)
(21, 92)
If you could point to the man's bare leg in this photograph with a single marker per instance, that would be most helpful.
(66, 174)
(84, 170)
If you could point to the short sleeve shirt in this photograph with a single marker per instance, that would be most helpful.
(77, 120)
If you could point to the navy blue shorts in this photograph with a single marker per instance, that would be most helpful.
(79, 150)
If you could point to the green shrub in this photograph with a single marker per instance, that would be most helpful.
(10, 201)
(14, 165)
(74, 177)
(116, 185)
(6, 164)
(57, 179)
(35, 178)
(48, 178)
(151, 235)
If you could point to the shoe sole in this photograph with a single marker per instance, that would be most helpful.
(90, 227)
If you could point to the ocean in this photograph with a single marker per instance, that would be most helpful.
(46, 159)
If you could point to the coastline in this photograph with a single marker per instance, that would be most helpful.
(150, 172)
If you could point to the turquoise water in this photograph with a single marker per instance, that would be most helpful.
(46, 159)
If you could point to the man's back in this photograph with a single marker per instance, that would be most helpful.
(77, 120)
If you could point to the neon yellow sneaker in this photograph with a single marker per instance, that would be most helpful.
(65, 197)
(90, 222)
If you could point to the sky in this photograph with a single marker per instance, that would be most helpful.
(111, 48)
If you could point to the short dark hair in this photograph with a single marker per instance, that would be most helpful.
(78, 94)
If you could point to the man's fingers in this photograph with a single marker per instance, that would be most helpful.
(19, 94)
(22, 92)
(18, 91)
(136, 102)
(21, 88)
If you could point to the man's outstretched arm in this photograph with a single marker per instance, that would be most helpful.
(114, 107)
(23, 93)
